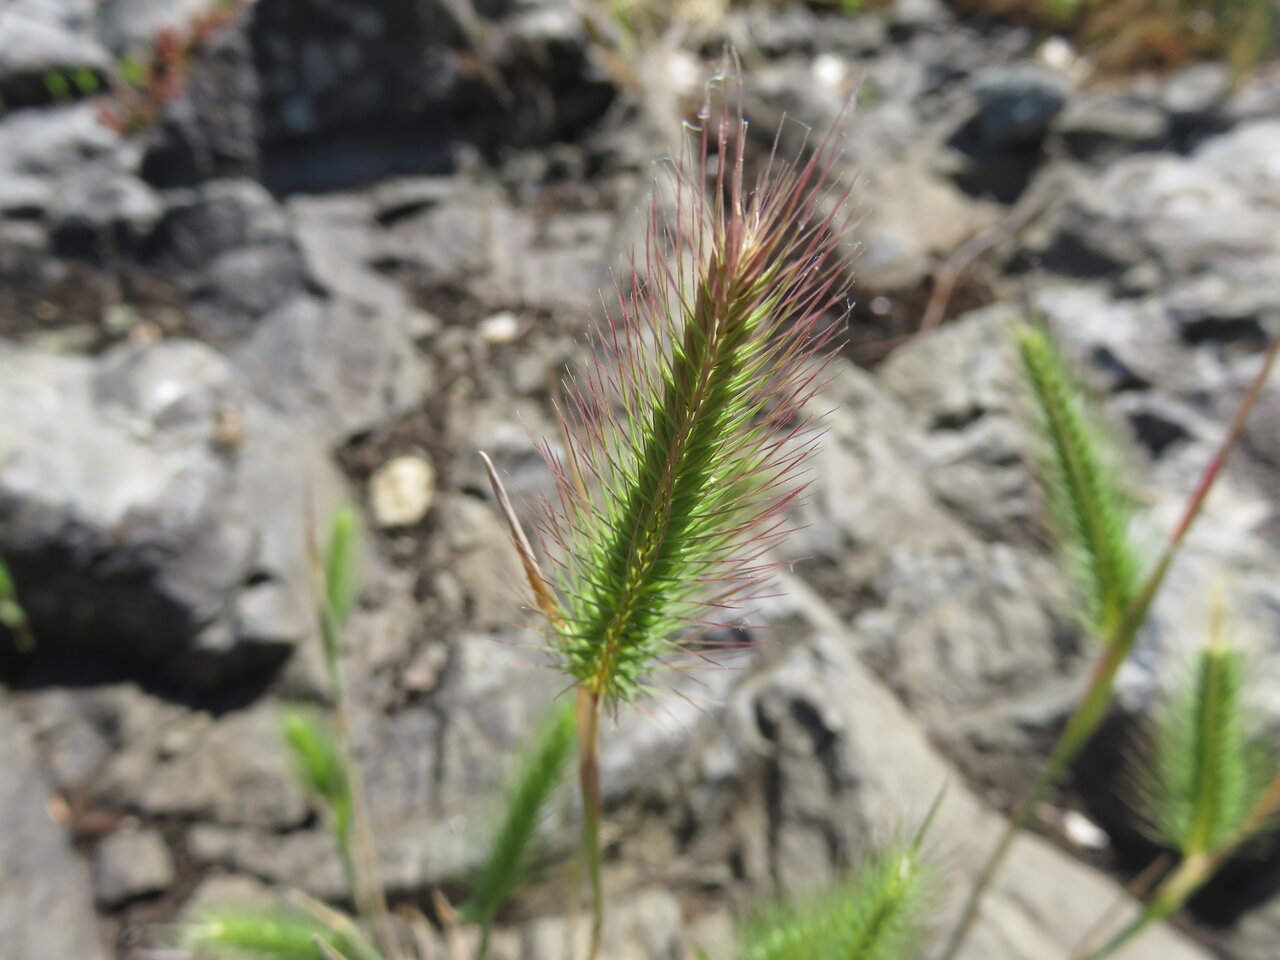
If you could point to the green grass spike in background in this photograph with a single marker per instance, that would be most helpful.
(877, 914)
(319, 765)
(1210, 766)
(1090, 507)
(532, 788)
(276, 934)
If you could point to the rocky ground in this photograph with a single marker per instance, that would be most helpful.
(358, 246)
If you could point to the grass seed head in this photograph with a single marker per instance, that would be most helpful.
(686, 437)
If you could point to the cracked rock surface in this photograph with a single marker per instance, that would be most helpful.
(341, 249)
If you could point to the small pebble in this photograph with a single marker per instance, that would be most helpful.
(401, 491)
(500, 328)
(1083, 832)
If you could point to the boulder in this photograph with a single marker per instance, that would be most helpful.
(135, 488)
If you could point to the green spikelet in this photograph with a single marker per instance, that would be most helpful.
(341, 570)
(1211, 786)
(255, 934)
(1090, 508)
(532, 787)
(1210, 768)
(319, 765)
(875, 916)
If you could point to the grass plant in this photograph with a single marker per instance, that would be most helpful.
(532, 786)
(13, 616)
(878, 913)
(323, 759)
(685, 438)
(1076, 480)
(1207, 779)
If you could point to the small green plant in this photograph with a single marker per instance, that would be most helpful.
(12, 615)
(682, 448)
(320, 748)
(877, 913)
(529, 794)
(1090, 508)
(874, 915)
(1206, 783)
(1089, 503)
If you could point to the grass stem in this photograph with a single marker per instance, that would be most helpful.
(589, 709)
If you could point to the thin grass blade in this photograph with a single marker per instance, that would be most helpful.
(261, 934)
(532, 788)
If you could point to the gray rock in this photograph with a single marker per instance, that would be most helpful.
(1169, 396)
(101, 214)
(304, 860)
(1254, 100)
(217, 218)
(1103, 129)
(960, 390)
(992, 620)
(919, 15)
(868, 493)
(1198, 214)
(646, 926)
(1246, 159)
(45, 902)
(212, 129)
(38, 38)
(269, 615)
(115, 478)
(1016, 105)
(558, 266)
(895, 254)
(38, 148)
(338, 368)
(340, 242)
(843, 763)
(1196, 91)
(24, 195)
(240, 287)
(152, 491)
(1255, 937)
(131, 864)
(122, 748)
(224, 890)
(234, 772)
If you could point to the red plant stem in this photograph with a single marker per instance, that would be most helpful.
(589, 780)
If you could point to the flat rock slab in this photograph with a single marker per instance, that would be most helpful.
(46, 909)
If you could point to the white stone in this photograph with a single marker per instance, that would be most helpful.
(502, 327)
(401, 491)
(1083, 832)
